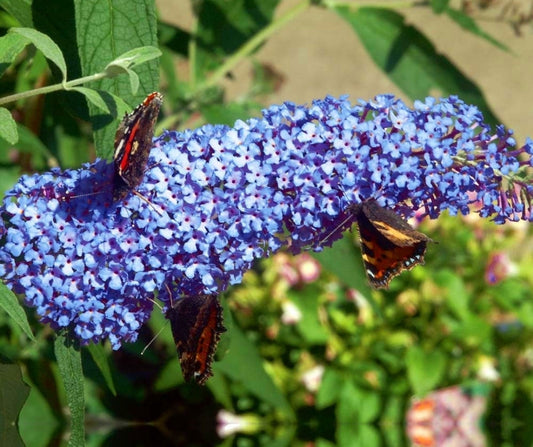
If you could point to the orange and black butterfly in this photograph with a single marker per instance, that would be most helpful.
(389, 245)
(197, 324)
(133, 141)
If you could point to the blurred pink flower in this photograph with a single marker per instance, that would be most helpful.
(301, 269)
(498, 268)
(308, 268)
(450, 417)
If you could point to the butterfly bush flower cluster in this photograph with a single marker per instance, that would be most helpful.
(221, 197)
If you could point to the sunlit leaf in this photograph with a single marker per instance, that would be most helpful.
(105, 33)
(46, 45)
(69, 362)
(425, 369)
(102, 361)
(8, 126)
(410, 59)
(10, 304)
(13, 394)
(244, 365)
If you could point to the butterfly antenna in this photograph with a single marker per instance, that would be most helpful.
(152, 340)
(157, 209)
(160, 330)
(156, 303)
(169, 294)
(339, 226)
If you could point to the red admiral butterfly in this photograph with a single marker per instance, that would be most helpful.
(133, 142)
(196, 323)
(389, 244)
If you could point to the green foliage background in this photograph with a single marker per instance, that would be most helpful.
(437, 325)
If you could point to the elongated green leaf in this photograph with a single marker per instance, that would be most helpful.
(244, 364)
(106, 30)
(46, 45)
(225, 26)
(102, 361)
(11, 45)
(132, 58)
(10, 303)
(69, 362)
(8, 126)
(124, 64)
(469, 24)
(410, 60)
(424, 369)
(20, 9)
(13, 394)
(345, 261)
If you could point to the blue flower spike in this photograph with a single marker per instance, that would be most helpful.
(230, 195)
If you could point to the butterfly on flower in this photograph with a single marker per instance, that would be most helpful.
(133, 141)
(196, 322)
(389, 245)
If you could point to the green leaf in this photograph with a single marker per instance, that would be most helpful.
(439, 6)
(424, 369)
(132, 58)
(8, 177)
(125, 63)
(11, 305)
(356, 409)
(11, 45)
(13, 394)
(457, 296)
(69, 363)
(94, 97)
(469, 24)
(223, 27)
(105, 32)
(20, 9)
(230, 112)
(37, 423)
(344, 260)
(309, 326)
(330, 388)
(474, 331)
(46, 45)
(410, 60)
(244, 364)
(102, 361)
(8, 126)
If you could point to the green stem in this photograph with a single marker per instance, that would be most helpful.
(193, 58)
(252, 44)
(52, 88)
(332, 4)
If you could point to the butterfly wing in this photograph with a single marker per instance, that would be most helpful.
(389, 244)
(197, 324)
(133, 142)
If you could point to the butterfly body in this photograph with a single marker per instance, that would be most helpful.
(389, 245)
(196, 322)
(133, 141)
